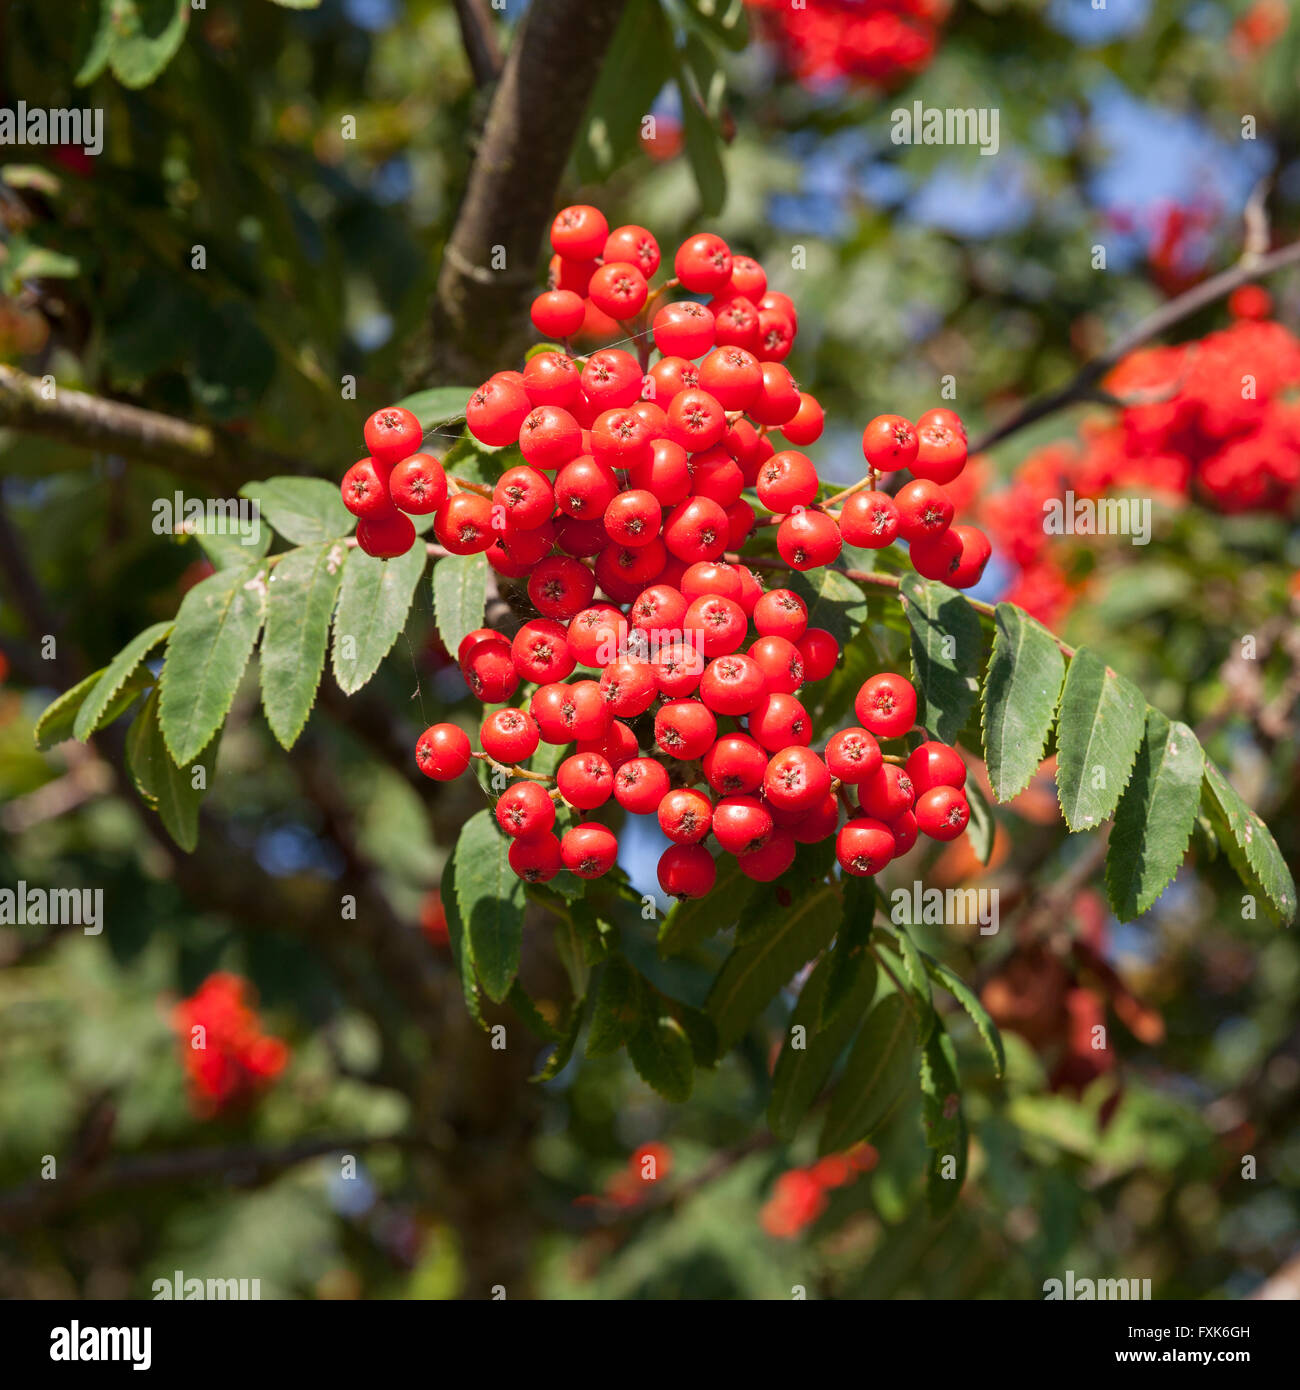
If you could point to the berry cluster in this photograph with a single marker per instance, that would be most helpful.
(1217, 426)
(395, 482)
(800, 1195)
(880, 42)
(232, 1061)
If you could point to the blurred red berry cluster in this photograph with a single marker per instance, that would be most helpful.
(1213, 424)
(231, 1061)
(799, 1195)
(881, 42)
(629, 1186)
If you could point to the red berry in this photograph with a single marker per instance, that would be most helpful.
(742, 824)
(684, 329)
(489, 671)
(558, 313)
(589, 850)
(678, 668)
(628, 687)
(779, 660)
(781, 303)
(933, 764)
(720, 623)
(975, 554)
(869, 519)
(886, 793)
(732, 375)
(687, 871)
(585, 781)
(525, 811)
(696, 420)
(941, 446)
(685, 729)
(889, 442)
(770, 862)
(579, 232)
(853, 755)
(611, 379)
(736, 324)
(942, 813)
(386, 537)
(597, 635)
(536, 860)
(541, 651)
(808, 540)
(561, 586)
(621, 438)
(463, 524)
(365, 491)
(525, 496)
(442, 752)
(617, 745)
(806, 426)
(418, 485)
(747, 278)
(886, 705)
(551, 378)
(685, 816)
(660, 608)
(509, 735)
(703, 263)
(818, 824)
(904, 829)
(565, 274)
(820, 652)
(709, 578)
(775, 335)
(496, 410)
(717, 475)
(781, 613)
(696, 530)
(939, 557)
(618, 289)
(549, 437)
(668, 376)
(779, 721)
(864, 846)
(778, 398)
(633, 244)
(796, 779)
(392, 434)
(735, 763)
(640, 785)
(924, 510)
(666, 473)
(623, 570)
(732, 684)
(787, 480)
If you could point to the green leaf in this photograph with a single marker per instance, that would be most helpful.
(802, 1071)
(982, 828)
(943, 1122)
(1099, 729)
(875, 1076)
(442, 405)
(123, 666)
(491, 901)
(303, 586)
(693, 920)
(915, 977)
(1020, 694)
(661, 1053)
(564, 1045)
(226, 548)
(216, 630)
(479, 463)
(57, 720)
(1154, 822)
(710, 80)
(703, 149)
(617, 1012)
(942, 1191)
(94, 40)
(834, 602)
(778, 942)
(947, 649)
(146, 35)
(947, 978)
(725, 18)
(305, 511)
(373, 604)
(1251, 850)
(460, 584)
(850, 954)
(166, 786)
(462, 952)
(297, 4)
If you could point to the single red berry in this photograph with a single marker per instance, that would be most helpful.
(618, 289)
(365, 491)
(524, 545)
(735, 763)
(540, 651)
(975, 554)
(685, 729)
(685, 816)
(807, 423)
(621, 438)
(678, 667)
(770, 862)
(778, 398)
(703, 263)
(386, 537)
(549, 437)
(818, 824)
(749, 448)
(696, 420)
(696, 529)
(589, 850)
(820, 652)
(869, 519)
(624, 570)
(937, 558)
(942, 813)
(733, 376)
(525, 811)
(442, 752)
(585, 781)
(536, 860)
(886, 793)
(732, 684)
(633, 244)
(889, 442)
(463, 524)
(551, 378)
(924, 510)
(742, 824)
(683, 329)
(525, 497)
(640, 785)
(418, 485)
(497, 409)
(751, 590)
(687, 871)
(781, 613)
(781, 303)
(736, 324)
(659, 608)
(666, 473)
(941, 446)
(904, 830)
(558, 313)
(719, 622)
(708, 578)
(808, 540)
(853, 755)
(933, 764)
(565, 274)
(716, 475)
(747, 278)
(392, 434)
(611, 380)
(489, 671)
(796, 779)
(776, 335)
(886, 705)
(598, 635)
(579, 232)
(628, 687)
(779, 721)
(864, 846)
(667, 377)
(779, 660)
(632, 518)
(509, 735)
(561, 586)
(787, 480)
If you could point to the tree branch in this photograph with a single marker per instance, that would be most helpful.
(480, 40)
(1084, 384)
(478, 315)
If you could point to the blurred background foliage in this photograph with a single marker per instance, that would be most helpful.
(318, 156)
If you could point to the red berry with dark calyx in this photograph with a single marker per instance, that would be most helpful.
(941, 446)
(938, 557)
(769, 863)
(418, 485)
(933, 764)
(703, 264)
(386, 537)
(392, 434)
(869, 520)
(525, 810)
(442, 752)
(561, 586)
(635, 245)
(742, 824)
(365, 491)
(687, 871)
(732, 684)
(975, 555)
(886, 793)
(509, 735)
(585, 781)
(618, 289)
(886, 705)
(778, 721)
(780, 662)
(820, 652)
(796, 779)
(628, 686)
(864, 846)
(734, 764)
(463, 524)
(685, 729)
(853, 755)
(536, 860)
(889, 442)
(808, 422)
(551, 378)
(942, 813)
(781, 613)
(589, 850)
(579, 233)
(808, 540)
(685, 816)
(640, 785)
(924, 510)
(497, 409)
